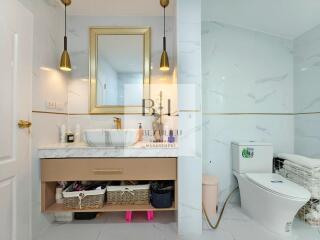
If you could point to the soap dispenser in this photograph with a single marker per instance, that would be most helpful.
(171, 138)
(140, 133)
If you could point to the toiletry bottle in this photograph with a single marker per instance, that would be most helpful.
(70, 137)
(171, 138)
(77, 136)
(59, 196)
(140, 133)
(62, 133)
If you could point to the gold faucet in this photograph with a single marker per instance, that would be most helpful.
(117, 123)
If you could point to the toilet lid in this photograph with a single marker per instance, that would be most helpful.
(279, 185)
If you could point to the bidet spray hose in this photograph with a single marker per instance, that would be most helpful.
(221, 214)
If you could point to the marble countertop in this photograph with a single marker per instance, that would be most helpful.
(82, 150)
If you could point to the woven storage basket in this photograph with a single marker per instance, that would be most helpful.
(93, 199)
(130, 194)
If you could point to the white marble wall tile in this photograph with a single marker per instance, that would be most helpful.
(307, 135)
(307, 70)
(221, 130)
(189, 62)
(106, 121)
(78, 88)
(78, 96)
(306, 92)
(49, 84)
(245, 71)
(190, 141)
(188, 97)
(79, 49)
(190, 117)
(189, 192)
(44, 131)
(189, 12)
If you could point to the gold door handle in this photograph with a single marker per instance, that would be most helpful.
(24, 124)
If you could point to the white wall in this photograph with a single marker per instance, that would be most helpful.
(190, 118)
(48, 85)
(307, 95)
(78, 88)
(79, 48)
(247, 94)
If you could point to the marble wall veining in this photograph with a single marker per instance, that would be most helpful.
(307, 135)
(247, 95)
(221, 130)
(78, 87)
(190, 117)
(246, 71)
(306, 93)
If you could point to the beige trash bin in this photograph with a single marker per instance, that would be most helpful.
(210, 194)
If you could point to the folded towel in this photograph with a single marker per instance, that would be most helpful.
(301, 160)
(303, 171)
(314, 190)
(313, 215)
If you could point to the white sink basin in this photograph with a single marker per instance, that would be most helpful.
(111, 137)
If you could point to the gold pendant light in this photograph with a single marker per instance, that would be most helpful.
(164, 62)
(65, 63)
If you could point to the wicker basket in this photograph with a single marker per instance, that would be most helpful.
(131, 195)
(84, 199)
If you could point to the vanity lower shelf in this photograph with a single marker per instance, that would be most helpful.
(114, 169)
(109, 208)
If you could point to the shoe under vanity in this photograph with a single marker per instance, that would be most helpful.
(79, 162)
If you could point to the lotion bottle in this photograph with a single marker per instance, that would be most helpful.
(140, 133)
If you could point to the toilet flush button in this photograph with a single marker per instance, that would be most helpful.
(276, 181)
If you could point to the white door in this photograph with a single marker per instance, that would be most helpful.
(16, 33)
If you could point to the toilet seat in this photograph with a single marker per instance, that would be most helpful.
(279, 185)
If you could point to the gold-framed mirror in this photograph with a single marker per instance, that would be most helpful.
(119, 69)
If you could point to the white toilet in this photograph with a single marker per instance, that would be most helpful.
(268, 198)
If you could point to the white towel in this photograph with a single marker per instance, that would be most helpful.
(302, 170)
(301, 160)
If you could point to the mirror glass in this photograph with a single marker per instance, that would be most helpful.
(119, 70)
(120, 61)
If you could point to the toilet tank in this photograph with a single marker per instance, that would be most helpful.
(252, 157)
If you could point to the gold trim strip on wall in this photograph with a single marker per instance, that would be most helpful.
(83, 114)
(183, 111)
(189, 111)
(307, 113)
(219, 114)
(45, 112)
(275, 114)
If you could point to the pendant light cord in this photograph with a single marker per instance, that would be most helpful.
(65, 28)
(164, 29)
(164, 21)
(65, 19)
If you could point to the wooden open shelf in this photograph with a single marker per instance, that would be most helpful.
(109, 208)
(104, 169)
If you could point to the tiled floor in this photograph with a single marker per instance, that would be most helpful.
(234, 226)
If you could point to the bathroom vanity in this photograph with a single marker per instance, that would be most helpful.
(79, 162)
